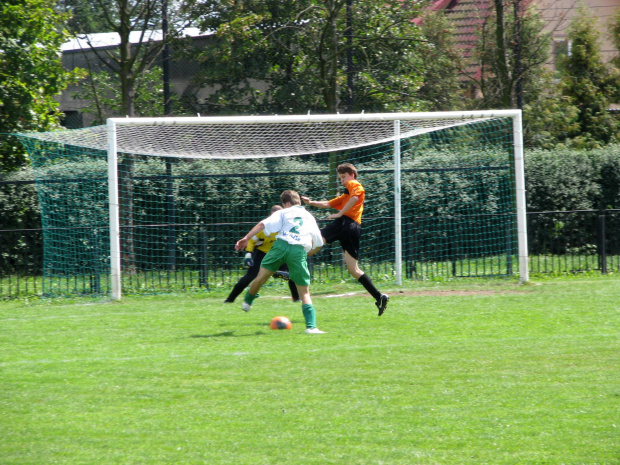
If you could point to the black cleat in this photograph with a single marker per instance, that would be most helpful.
(281, 275)
(381, 303)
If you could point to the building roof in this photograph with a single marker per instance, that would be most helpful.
(112, 39)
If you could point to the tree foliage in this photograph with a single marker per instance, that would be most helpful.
(102, 91)
(292, 56)
(512, 49)
(31, 72)
(549, 119)
(132, 59)
(614, 31)
(85, 16)
(588, 82)
(440, 89)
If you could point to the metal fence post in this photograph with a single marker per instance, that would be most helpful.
(602, 251)
(204, 259)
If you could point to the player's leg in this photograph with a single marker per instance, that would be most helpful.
(352, 265)
(351, 253)
(308, 310)
(263, 275)
(270, 263)
(362, 278)
(247, 278)
(294, 291)
(304, 294)
(297, 261)
(283, 272)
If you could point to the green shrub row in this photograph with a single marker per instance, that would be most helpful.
(556, 180)
(565, 179)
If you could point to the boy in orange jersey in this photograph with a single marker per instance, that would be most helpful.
(347, 228)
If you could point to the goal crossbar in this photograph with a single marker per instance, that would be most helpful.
(238, 137)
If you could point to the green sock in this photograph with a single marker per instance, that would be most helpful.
(309, 315)
(249, 298)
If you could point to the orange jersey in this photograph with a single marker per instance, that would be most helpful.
(353, 188)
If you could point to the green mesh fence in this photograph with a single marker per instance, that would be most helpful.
(181, 216)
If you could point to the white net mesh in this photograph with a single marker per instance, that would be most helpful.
(246, 138)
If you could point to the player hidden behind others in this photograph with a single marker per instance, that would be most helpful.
(297, 237)
(347, 227)
(257, 248)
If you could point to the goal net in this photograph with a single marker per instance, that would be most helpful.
(146, 205)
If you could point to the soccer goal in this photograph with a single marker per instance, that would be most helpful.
(145, 205)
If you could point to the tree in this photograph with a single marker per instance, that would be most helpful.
(292, 56)
(614, 30)
(131, 65)
(31, 72)
(512, 50)
(103, 93)
(440, 90)
(588, 82)
(549, 119)
(130, 61)
(85, 16)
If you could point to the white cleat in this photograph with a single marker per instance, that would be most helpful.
(246, 307)
(314, 331)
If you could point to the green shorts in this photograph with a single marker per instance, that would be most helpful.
(294, 256)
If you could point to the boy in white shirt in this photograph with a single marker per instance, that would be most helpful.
(257, 248)
(298, 237)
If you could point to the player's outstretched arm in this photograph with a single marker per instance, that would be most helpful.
(315, 203)
(243, 242)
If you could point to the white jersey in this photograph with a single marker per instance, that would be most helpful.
(296, 226)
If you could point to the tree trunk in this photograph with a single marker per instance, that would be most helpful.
(127, 163)
(502, 57)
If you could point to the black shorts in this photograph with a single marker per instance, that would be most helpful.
(345, 230)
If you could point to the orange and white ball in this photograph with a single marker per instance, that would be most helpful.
(281, 322)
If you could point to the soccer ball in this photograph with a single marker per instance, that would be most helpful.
(281, 322)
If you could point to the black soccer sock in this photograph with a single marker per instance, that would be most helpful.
(293, 289)
(365, 281)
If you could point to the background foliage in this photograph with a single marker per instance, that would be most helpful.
(31, 73)
(589, 83)
(289, 56)
(560, 179)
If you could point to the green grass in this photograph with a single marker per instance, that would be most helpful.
(463, 372)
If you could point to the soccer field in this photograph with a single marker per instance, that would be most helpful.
(465, 372)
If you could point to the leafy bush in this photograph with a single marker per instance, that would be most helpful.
(569, 179)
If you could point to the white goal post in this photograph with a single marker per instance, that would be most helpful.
(230, 137)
